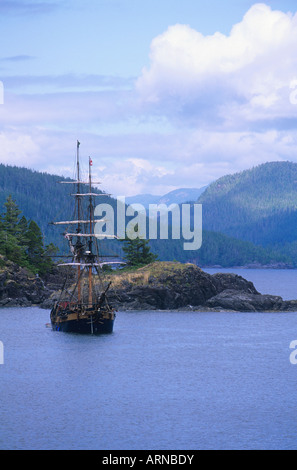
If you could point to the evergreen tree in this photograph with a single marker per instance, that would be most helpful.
(9, 231)
(51, 250)
(35, 248)
(22, 229)
(10, 248)
(138, 251)
(11, 217)
(21, 242)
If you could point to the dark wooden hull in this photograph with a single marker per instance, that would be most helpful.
(94, 323)
(84, 327)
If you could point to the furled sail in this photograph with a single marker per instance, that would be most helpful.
(97, 235)
(76, 222)
(91, 194)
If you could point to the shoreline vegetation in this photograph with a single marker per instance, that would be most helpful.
(29, 277)
(165, 286)
(249, 219)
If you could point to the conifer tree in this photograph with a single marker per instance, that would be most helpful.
(137, 251)
(11, 216)
(22, 229)
(35, 249)
(22, 242)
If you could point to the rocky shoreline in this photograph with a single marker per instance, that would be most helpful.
(20, 288)
(159, 286)
(174, 286)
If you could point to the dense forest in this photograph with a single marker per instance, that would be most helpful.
(248, 218)
(42, 198)
(21, 241)
(221, 250)
(258, 205)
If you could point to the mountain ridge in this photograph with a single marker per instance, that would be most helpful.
(241, 215)
(177, 196)
(249, 205)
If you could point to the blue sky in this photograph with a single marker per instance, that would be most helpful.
(162, 94)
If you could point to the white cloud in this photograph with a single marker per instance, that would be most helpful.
(207, 106)
(131, 176)
(202, 157)
(18, 149)
(250, 69)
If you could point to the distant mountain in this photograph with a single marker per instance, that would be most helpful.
(144, 199)
(178, 196)
(257, 205)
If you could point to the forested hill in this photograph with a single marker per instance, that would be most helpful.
(255, 197)
(258, 205)
(41, 198)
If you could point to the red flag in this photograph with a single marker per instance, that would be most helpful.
(91, 162)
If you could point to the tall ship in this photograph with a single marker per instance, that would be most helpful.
(83, 305)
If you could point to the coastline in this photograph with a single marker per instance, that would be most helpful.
(159, 286)
(253, 266)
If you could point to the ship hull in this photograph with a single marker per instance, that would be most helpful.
(84, 326)
(90, 322)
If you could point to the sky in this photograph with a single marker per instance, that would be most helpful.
(162, 94)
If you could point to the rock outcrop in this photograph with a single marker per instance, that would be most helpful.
(171, 286)
(158, 286)
(242, 301)
(20, 288)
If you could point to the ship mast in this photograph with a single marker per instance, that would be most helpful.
(79, 308)
(90, 240)
(82, 251)
(78, 198)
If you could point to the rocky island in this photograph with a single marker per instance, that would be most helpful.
(19, 287)
(157, 286)
(177, 286)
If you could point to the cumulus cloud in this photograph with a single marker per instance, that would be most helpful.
(18, 148)
(202, 157)
(129, 176)
(236, 78)
(207, 106)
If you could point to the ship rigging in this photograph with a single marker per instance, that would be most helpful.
(83, 306)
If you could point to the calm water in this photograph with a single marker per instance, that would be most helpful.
(281, 282)
(169, 381)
